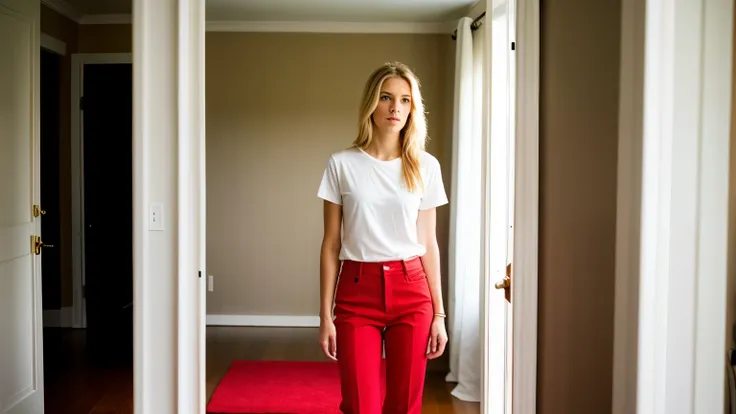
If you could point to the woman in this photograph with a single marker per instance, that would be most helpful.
(383, 191)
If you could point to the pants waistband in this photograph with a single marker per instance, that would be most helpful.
(379, 268)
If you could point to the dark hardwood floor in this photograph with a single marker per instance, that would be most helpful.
(79, 384)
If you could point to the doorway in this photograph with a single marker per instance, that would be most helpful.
(95, 344)
(105, 108)
(51, 281)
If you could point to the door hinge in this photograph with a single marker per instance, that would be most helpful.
(84, 291)
(81, 103)
(513, 45)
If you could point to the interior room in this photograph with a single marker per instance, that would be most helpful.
(280, 101)
(282, 93)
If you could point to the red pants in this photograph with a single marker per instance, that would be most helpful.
(378, 302)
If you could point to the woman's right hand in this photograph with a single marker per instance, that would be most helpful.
(328, 338)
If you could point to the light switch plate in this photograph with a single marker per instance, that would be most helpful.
(156, 217)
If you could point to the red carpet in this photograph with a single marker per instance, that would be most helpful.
(284, 387)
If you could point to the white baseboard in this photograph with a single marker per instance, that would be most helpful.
(295, 321)
(58, 318)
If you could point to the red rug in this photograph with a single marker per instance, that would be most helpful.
(284, 387)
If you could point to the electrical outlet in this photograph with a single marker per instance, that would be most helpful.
(210, 283)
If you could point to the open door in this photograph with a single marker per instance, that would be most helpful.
(499, 204)
(21, 343)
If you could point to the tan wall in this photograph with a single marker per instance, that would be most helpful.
(277, 106)
(64, 29)
(578, 155)
(105, 38)
(731, 265)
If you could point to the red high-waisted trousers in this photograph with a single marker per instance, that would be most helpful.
(378, 302)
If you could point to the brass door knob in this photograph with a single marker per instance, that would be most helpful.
(37, 211)
(37, 243)
(505, 283)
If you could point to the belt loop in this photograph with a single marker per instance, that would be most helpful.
(403, 265)
(360, 272)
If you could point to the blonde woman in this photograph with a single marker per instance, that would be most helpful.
(383, 192)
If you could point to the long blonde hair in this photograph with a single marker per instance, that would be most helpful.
(413, 136)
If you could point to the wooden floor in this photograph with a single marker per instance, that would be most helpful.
(77, 384)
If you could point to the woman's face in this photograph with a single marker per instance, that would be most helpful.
(394, 105)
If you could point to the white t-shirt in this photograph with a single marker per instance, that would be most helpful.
(379, 212)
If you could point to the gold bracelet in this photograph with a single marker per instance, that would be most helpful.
(441, 315)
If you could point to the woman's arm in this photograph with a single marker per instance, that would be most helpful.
(427, 234)
(426, 230)
(329, 261)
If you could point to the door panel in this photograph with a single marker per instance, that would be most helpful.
(21, 382)
(108, 208)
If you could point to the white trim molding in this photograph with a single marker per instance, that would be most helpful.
(292, 321)
(680, 262)
(330, 27)
(53, 44)
(79, 314)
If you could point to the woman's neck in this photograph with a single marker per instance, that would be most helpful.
(384, 146)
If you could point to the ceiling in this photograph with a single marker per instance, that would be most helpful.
(305, 10)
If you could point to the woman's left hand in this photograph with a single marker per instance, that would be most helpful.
(437, 338)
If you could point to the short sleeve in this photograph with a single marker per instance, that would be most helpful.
(434, 187)
(329, 188)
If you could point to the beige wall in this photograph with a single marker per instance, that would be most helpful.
(105, 38)
(277, 106)
(578, 155)
(731, 265)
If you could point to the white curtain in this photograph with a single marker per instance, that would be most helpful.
(464, 260)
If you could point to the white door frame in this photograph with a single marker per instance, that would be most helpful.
(79, 309)
(524, 280)
(168, 169)
(670, 319)
(521, 321)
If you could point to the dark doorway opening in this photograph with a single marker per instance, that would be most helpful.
(50, 182)
(107, 125)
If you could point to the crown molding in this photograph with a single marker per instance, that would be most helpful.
(106, 19)
(330, 27)
(294, 26)
(63, 8)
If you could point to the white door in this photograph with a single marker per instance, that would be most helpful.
(21, 364)
(499, 201)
